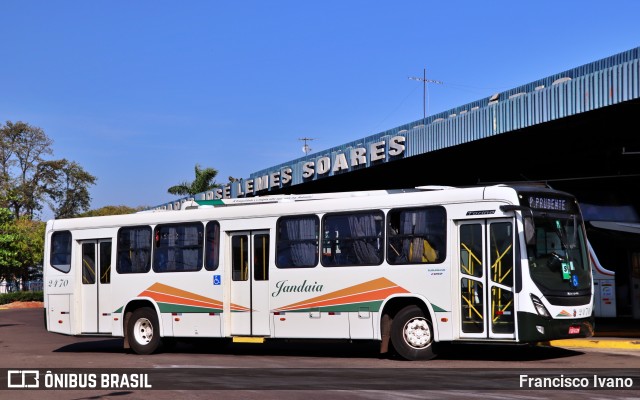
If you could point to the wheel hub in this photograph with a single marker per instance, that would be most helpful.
(417, 333)
(143, 331)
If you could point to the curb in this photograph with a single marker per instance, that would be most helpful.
(612, 343)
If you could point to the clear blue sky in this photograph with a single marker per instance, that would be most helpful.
(138, 92)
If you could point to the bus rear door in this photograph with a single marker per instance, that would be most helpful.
(250, 283)
(95, 291)
(486, 279)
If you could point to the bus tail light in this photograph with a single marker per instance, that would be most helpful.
(540, 308)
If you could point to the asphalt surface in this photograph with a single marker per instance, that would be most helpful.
(610, 333)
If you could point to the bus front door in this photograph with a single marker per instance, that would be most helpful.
(486, 278)
(250, 283)
(95, 292)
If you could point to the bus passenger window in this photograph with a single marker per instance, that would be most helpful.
(134, 250)
(178, 247)
(60, 257)
(352, 239)
(416, 235)
(297, 242)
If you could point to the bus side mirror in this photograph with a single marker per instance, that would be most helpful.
(529, 230)
(529, 225)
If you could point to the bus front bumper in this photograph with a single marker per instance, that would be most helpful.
(534, 328)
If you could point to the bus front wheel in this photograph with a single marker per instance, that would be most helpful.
(143, 331)
(412, 334)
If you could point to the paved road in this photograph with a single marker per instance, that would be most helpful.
(307, 370)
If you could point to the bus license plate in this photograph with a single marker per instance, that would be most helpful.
(574, 330)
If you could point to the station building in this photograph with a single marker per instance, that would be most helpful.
(574, 131)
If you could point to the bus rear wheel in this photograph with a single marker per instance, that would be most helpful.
(412, 334)
(143, 331)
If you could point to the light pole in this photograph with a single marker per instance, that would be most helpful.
(424, 81)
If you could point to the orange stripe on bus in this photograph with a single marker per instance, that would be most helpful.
(161, 288)
(375, 284)
(374, 295)
(169, 294)
(167, 298)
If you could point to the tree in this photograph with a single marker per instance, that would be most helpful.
(204, 181)
(9, 262)
(22, 148)
(30, 244)
(28, 179)
(111, 210)
(21, 247)
(70, 193)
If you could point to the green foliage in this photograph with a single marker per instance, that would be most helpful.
(21, 246)
(9, 251)
(204, 181)
(111, 210)
(6, 298)
(30, 244)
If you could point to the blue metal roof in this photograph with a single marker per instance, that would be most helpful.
(595, 85)
(601, 83)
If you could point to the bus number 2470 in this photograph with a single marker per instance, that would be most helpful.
(58, 283)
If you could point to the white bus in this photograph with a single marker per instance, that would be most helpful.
(407, 268)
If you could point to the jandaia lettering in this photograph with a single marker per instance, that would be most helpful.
(284, 287)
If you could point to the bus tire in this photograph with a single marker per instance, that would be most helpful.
(143, 331)
(412, 334)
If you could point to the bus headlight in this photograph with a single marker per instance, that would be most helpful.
(540, 308)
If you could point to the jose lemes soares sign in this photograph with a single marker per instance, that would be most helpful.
(322, 166)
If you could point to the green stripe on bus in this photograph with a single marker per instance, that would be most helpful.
(216, 202)
(167, 308)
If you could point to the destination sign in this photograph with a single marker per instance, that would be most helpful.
(539, 202)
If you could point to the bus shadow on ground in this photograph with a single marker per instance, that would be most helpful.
(93, 346)
(330, 349)
(502, 352)
(290, 348)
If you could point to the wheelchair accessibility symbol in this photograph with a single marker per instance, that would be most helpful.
(216, 280)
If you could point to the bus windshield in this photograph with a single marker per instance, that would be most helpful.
(558, 260)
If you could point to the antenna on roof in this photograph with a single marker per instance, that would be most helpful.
(306, 148)
(424, 81)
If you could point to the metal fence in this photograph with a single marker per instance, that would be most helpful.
(29, 286)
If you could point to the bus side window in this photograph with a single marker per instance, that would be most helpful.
(416, 235)
(297, 242)
(351, 239)
(134, 250)
(178, 247)
(60, 257)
